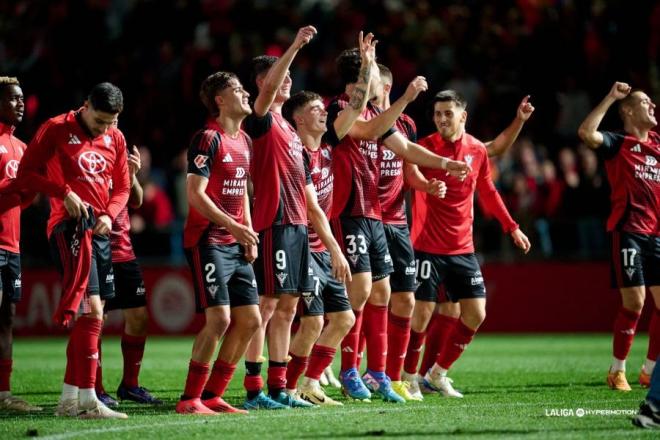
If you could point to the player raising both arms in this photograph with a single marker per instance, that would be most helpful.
(632, 160)
(79, 160)
(442, 234)
(11, 152)
(357, 221)
(220, 245)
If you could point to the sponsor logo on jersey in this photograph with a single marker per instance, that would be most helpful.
(73, 139)
(140, 291)
(636, 149)
(468, 159)
(651, 161)
(11, 168)
(281, 277)
(227, 158)
(200, 161)
(92, 162)
(240, 172)
(477, 279)
(110, 278)
(410, 271)
(388, 154)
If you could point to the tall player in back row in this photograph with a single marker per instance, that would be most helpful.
(632, 162)
(357, 221)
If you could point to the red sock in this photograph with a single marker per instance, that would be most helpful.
(319, 360)
(276, 379)
(86, 332)
(70, 371)
(414, 351)
(398, 336)
(5, 374)
(220, 377)
(455, 344)
(362, 346)
(375, 329)
(436, 337)
(349, 346)
(253, 384)
(99, 372)
(654, 336)
(624, 332)
(197, 374)
(132, 350)
(294, 369)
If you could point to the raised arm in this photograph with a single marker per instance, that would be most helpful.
(508, 136)
(378, 126)
(588, 130)
(360, 95)
(280, 70)
(134, 165)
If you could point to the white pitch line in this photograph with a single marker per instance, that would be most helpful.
(307, 414)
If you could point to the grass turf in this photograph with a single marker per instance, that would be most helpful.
(513, 385)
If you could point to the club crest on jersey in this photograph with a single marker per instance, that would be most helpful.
(11, 168)
(213, 289)
(630, 272)
(325, 172)
(308, 298)
(92, 162)
(281, 277)
(651, 161)
(325, 153)
(107, 140)
(468, 159)
(227, 158)
(200, 161)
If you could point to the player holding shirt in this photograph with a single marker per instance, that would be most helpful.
(435, 329)
(631, 161)
(75, 159)
(220, 245)
(356, 219)
(11, 152)
(307, 113)
(442, 233)
(131, 298)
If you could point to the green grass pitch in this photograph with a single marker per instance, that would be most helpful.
(513, 384)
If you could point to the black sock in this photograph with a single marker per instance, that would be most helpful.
(208, 395)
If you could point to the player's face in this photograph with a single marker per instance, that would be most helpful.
(98, 122)
(449, 119)
(643, 110)
(234, 98)
(313, 117)
(284, 92)
(12, 105)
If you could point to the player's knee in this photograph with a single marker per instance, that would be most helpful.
(403, 304)
(344, 321)
(285, 313)
(634, 305)
(137, 320)
(311, 325)
(218, 320)
(474, 318)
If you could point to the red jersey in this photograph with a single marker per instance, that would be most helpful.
(391, 186)
(11, 152)
(633, 169)
(225, 162)
(319, 166)
(444, 226)
(278, 172)
(120, 239)
(356, 167)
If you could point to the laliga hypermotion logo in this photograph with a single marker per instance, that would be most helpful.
(11, 168)
(92, 162)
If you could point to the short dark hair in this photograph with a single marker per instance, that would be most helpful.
(627, 101)
(262, 64)
(106, 97)
(348, 65)
(450, 96)
(385, 72)
(211, 86)
(297, 101)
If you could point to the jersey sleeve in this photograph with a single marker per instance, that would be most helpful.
(410, 129)
(121, 182)
(256, 126)
(611, 145)
(491, 198)
(202, 151)
(330, 136)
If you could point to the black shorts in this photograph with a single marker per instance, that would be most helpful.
(101, 275)
(363, 242)
(10, 276)
(221, 276)
(129, 287)
(329, 294)
(404, 277)
(634, 260)
(460, 274)
(283, 264)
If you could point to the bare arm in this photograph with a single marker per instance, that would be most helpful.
(340, 268)
(378, 126)
(136, 196)
(196, 191)
(508, 136)
(280, 70)
(250, 250)
(416, 180)
(419, 155)
(359, 97)
(588, 130)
